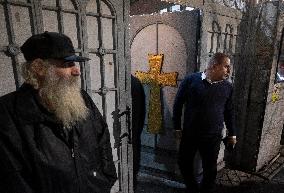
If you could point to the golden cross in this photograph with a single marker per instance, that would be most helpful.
(156, 79)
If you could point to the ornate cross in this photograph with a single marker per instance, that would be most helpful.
(156, 79)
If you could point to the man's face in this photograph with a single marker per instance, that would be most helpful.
(222, 71)
(61, 94)
(66, 69)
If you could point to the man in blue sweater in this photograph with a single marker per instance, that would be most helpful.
(207, 98)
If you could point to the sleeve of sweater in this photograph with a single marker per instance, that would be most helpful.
(229, 115)
(179, 102)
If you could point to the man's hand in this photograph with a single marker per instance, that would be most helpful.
(230, 142)
(178, 134)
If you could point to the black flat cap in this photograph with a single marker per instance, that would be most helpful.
(50, 45)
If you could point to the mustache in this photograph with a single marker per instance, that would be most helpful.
(69, 81)
(62, 82)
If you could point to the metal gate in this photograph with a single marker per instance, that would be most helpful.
(98, 29)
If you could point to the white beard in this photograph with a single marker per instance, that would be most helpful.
(62, 97)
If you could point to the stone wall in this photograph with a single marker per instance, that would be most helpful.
(254, 61)
(219, 30)
(141, 7)
(274, 112)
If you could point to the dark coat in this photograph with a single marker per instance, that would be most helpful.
(37, 156)
(138, 117)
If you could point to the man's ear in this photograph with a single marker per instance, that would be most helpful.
(38, 67)
(212, 68)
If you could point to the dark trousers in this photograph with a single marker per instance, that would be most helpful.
(208, 147)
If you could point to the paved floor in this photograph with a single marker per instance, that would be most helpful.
(253, 185)
(270, 180)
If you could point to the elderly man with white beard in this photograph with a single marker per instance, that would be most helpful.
(52, 137)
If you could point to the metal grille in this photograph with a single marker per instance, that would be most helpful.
(104, 49)
(64, 16)
(215, 37)
(15, 12)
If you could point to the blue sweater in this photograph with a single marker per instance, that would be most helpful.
(207, 106)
